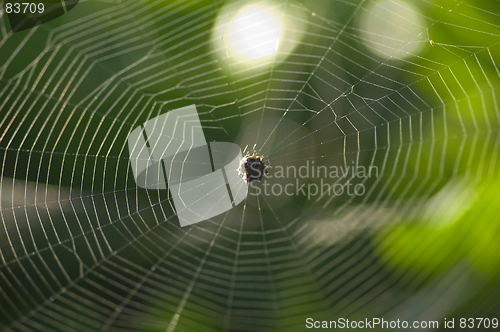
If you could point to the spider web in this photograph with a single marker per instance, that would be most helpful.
(84, 249)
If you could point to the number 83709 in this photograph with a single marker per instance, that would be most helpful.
(24, 7)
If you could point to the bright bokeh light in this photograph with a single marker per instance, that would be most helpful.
(255, 33)
(392, 29)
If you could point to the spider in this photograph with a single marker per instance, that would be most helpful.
(252, 168)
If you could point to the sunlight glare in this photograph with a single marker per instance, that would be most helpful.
(257, 33)
(392, 29)
(254, 33)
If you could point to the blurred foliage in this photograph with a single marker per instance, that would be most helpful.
(427, 246)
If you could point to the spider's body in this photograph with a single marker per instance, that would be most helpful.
(252, 168)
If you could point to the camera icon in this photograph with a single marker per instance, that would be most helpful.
(170, 152)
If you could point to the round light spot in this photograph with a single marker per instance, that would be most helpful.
(392, 29)
(257, 33)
